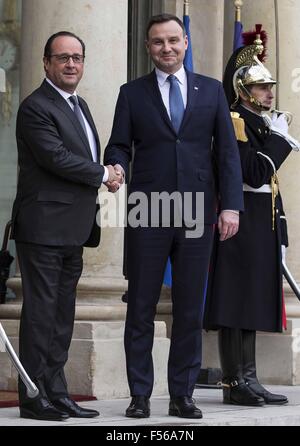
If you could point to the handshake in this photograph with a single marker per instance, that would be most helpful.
(278, 124)
(116, 176)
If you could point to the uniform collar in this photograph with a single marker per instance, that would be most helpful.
(251, 111)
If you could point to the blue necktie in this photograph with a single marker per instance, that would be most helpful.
(78, 114)
(176, 102)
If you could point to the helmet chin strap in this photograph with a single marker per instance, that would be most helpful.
(253, 101)
(258, 105)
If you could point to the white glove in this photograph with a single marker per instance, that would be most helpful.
(283, 253)
(279, 126)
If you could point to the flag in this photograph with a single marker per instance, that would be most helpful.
(237, 38)
(238, 28)
(168, 274)
(188, 63)
(188, 59)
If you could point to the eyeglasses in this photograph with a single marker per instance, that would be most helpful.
(64, 58)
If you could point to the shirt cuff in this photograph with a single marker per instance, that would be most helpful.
(106, 175)
(230, 210)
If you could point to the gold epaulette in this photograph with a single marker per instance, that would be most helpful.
(239, 127)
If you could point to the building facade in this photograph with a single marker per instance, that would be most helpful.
(114, 34)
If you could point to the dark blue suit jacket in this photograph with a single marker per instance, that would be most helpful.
(202, 157)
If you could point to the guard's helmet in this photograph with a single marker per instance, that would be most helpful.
(245, 68)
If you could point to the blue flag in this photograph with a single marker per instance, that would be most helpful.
(168, 274)
(237, 39)
(188, 59)
(188, 63)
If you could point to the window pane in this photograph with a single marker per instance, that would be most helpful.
(10, 23)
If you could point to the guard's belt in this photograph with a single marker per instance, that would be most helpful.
(266, 188)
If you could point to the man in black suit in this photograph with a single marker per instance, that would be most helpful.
(54, 216)
(172, 116)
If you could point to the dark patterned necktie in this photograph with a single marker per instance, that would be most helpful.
(176, 102)
(78, 114)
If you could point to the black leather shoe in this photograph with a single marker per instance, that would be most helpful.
(73, 410)
(139, 407)
(184, 407)
(269, 398)
(42, 409)
(241, 395)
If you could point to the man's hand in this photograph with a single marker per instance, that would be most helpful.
(116, 177)
(112, 174)
(228, 224)
(119, 170)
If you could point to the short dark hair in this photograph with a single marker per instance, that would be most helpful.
(47, 49)
(163, 18)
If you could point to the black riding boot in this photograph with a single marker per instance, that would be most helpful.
(235, 390)
(249, 370)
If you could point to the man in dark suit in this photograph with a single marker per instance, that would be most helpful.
(172, 121)
(54, 216)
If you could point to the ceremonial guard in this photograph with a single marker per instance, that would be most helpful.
(245, 283)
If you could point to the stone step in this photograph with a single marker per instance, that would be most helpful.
(215, 413)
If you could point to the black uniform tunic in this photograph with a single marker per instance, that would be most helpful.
(245, 280)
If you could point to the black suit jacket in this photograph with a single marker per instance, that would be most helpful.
(184, 162)
(58, 180)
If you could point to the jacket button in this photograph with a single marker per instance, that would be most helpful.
(178, 141)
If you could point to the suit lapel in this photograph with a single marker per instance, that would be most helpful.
(154, 92)
(90, 120)
(61, 103)
(194, 85)
(192, 96)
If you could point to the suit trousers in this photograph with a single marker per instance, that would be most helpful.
(49, 278)
(148, 251)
